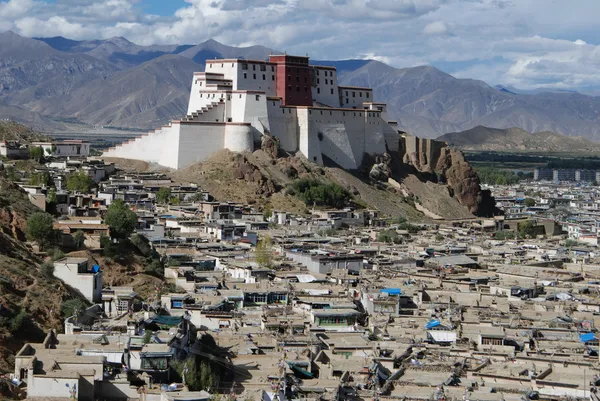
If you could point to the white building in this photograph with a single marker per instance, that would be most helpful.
(235, 102)
(67, 148)
(76, 273)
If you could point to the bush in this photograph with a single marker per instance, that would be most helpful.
(314, 192)
(154, 267)
(80, 182)
(504, 235)
(47, 269)
(389, 236)
(57, 254)
(40, 228)
(72, 306)
(163, 195)
(19, 321)
(36, 153)
(79, 239)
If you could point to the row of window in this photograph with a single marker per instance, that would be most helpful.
(264, 76)
(360, 94)
(327, 81)
(319, 90)
(325, 72)
(263, 67)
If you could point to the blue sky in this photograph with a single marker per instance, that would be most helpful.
(527, 44)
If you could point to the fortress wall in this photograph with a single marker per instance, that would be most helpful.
(198, 141)
(239, 138)
(154, 147)
(434, 152)
(412, 144)
(375, 140)
(307, 137)
(169, 150)
(255, 113)
(283, 123)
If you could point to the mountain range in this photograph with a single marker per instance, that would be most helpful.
(115, 82)
(516, 139)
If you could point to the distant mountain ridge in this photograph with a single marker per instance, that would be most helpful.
(515, 139)
(55, 77)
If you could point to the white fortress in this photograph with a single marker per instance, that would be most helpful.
(235, 102)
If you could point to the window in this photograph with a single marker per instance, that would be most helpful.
(317, 72)
(257, 98)
(245, 75)
(367, 95)
(222, 65)
(346, 93)
(263, 67)
(353, 94)
(306, 89)
(318, 90)
(154, 363)
(283, 110)
(326, 81)
(332, 91)
(272, 68)
(360, 94)
(272, 77)
(264, 77)
(253, 67)
(297, 89)
(289, 77)
(347, 100)
(254, 76)
(297, 79)
(318, 81)
(289, 87)
(244, 66)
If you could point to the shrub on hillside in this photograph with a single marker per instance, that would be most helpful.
(314, 192)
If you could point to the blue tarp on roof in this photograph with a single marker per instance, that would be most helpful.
(432, 323)
(166, 320)
(391, 291)
(585, 337)
(95, 268)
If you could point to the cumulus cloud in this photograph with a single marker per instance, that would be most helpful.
(528, 44)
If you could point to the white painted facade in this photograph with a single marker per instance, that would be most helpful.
(76, 273)
(231, 106)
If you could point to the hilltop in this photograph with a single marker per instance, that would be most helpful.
(515, 139)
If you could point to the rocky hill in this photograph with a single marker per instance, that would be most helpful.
(431, 181)
(58, 78)
(515, 139)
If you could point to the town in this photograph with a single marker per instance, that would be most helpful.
(339, 303)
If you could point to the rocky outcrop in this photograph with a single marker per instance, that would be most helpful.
(449, 167)
(244, 170)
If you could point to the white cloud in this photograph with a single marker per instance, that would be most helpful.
(528, 43)
(435, 28)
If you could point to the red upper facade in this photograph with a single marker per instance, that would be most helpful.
(293, 80)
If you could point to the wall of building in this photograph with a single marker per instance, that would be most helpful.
(89, 284)
(52, 387)
(353, 97)
(325, 87)
(198, 141)
(259, 75)
(309, 146)
(283, 124)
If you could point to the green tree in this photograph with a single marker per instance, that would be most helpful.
(51, 198)
(36, 153)
(529, 202)
(79, 181)
(73, 306)
(42, 178)
(264, 252)
(121, 220)
(174, 200)
(527, 229)
(163, 195)
(40, 228)
(389, 236)
(314, 192)
(79, 239)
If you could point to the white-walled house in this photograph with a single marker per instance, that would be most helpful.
(77, 273)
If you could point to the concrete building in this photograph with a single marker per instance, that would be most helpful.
(67, 148)
(235, 102)
(77, 273)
